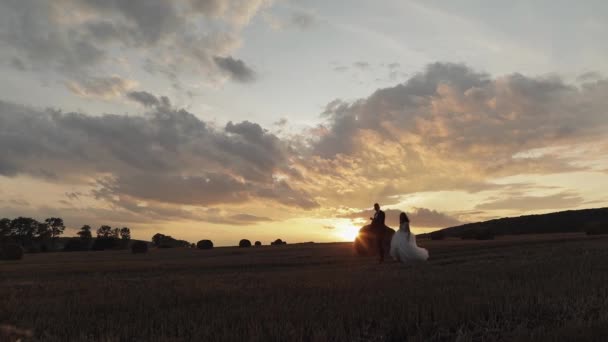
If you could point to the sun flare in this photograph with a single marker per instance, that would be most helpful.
(347, 232)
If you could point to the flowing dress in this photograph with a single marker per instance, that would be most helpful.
(404, 247)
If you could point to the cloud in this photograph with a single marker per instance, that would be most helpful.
(149, 100)
(299, 19)
(590, 76)
(423, 217)
(303, 19)
(521, 202)
(341, 68)
(249, 219)
(88, 41)
(18, 64)
(236, 68)
(104, 88)
(419, 217)
(73, 195)
(362, 65)
(167, 157)
(450, 127)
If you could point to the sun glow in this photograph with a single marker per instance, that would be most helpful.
(347, 232)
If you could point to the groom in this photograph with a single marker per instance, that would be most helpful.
(378, 230)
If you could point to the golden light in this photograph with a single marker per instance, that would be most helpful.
(347, 232)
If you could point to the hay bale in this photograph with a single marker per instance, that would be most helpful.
(257, 243)
(278, 242)
(365, 243)
(204, 244)
(244, 243)
(11, 251)
(139, 247)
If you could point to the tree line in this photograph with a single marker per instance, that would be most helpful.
(35, 236)
(30, 233)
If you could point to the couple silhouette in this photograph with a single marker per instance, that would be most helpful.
(377, 238)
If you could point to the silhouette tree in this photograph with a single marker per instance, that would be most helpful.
(125, 234)
(158, 239)
(85, 233)
(24, 230)
(115, 233)
(55, 226)
(43, 231)
(5, 229)
(278, 242)
(107, 238)
(166, 241)
(104, 232)
(244, 243)
(257, 243)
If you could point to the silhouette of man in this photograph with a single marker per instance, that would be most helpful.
(378, 229)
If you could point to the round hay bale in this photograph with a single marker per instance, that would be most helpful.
(139, 247)
(11, 251)
(204, 244)
(278, 242)
(244, 243)
(257, 243)
(365, 243)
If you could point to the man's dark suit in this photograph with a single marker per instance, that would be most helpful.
(378, 220)
(378, 227)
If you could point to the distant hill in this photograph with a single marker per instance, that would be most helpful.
(558, 222)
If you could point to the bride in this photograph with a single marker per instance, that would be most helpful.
(403, 243)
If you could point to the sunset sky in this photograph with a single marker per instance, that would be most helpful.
(230, 119)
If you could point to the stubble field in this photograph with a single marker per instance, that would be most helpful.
(537, 288)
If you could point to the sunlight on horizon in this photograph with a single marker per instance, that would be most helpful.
(346, 231)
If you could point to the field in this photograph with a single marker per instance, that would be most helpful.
(537, 288)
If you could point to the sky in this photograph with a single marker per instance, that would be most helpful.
(260, 119)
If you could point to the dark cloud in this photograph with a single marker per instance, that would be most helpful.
(149, 100)
(423, 217)
(18, 64)
(249, 219)
(590, 76)
(73, 195)
(282, 122)
(40, 34)
(202, 190)
(236, 68)
(361, 65)
(303, 20)
(341, 68)
(419, 217)
(166, 156)
(285, 194)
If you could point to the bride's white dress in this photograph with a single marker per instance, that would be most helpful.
(403, 246)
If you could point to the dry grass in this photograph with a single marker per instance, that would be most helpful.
(549, 288)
